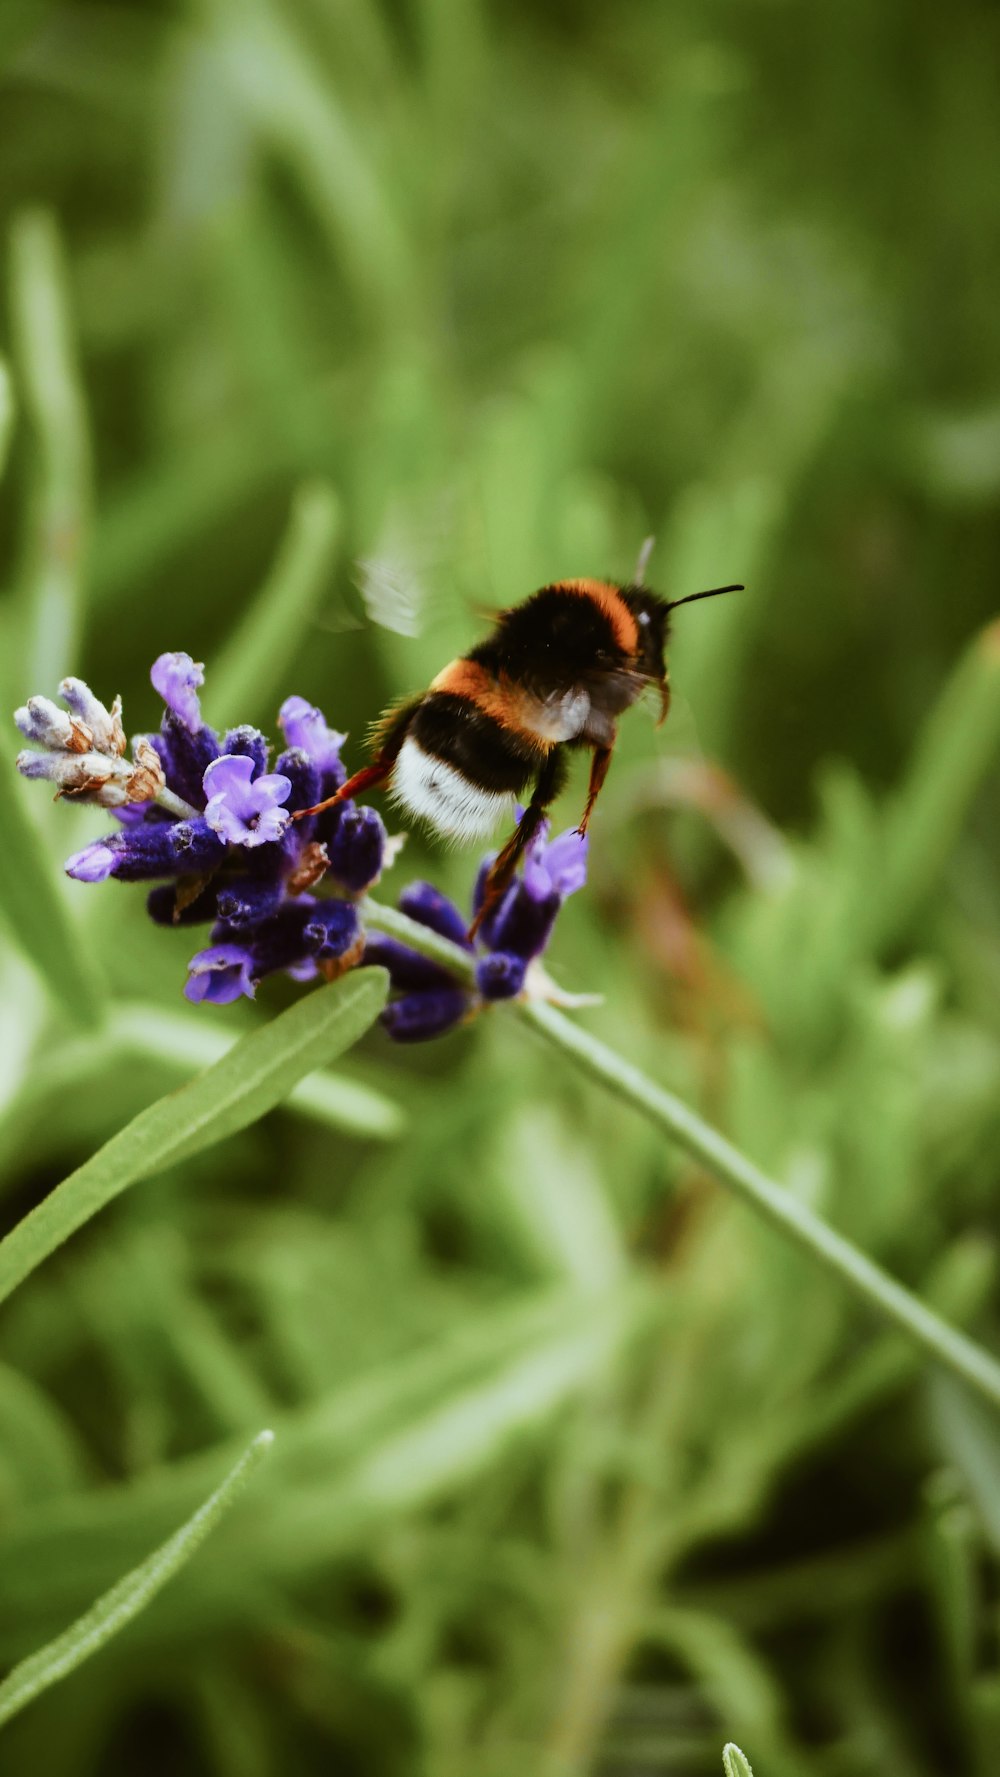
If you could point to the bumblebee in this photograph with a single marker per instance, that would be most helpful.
(555, 672)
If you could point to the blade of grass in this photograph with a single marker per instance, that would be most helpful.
(958, 744)
(131, 1595)
(36, 914)
(674, 1119)
(8, 412)
(246, 679)
(59, 514)
(257, 1073)
(187, 1043)
(734, 1762)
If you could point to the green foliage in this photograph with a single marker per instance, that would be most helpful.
(244, 1084)
(131, 1595)
(401, 311)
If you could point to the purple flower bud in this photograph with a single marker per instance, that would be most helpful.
(244, 810)
(278, 942)
(332, 929)
(305, 726)
(246, 900)
(249, 743)
(488, 927)
(304, 777)
(500, 976)
(220, 975)
(177, 678)
(93, 864)
(161, 905)
(420, 1016)
(521, 925)
(156, 848)
(407, 968)
(186, 755)
(430, 908)
(357, 848)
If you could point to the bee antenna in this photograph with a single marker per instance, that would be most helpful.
(712, 593)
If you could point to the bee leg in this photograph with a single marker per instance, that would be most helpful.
(550, 782)
(598, 772)
(390, 736)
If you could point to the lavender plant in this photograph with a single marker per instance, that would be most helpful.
(204, 819)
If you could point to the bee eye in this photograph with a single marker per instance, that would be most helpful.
(643, 616)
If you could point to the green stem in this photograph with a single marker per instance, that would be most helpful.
(786, 1212)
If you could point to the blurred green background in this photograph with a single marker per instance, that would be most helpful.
(398, 311)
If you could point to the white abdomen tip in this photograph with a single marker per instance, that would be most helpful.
(440, 795)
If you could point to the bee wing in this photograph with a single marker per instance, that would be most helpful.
(414, 581)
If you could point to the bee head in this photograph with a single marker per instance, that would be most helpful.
(652, 614)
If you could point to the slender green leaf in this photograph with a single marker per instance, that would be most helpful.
(190, 1042)
(958, 745)
(773, 1201)
(45, 356)
(734, 1762)
(131, 1595)
(257, 1073)
(8, 412)
(248, 677)
(35, 911)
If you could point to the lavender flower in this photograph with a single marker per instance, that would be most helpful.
(220, 975)
(209, 826)
(510, 941)
(178, 679)
(242, 809)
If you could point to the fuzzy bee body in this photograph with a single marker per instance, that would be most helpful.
(555, 672)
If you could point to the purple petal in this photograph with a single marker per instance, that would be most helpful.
(224, 821)
(274, 788)
(229, 776)
(357, 848)
(304, 971)
(430, 908)
(500, 976)
(522, 924)
(407, 968)
(332, 928)
(420, 1016)
(93, 864)
(249, 741)
(267, 827)
(567, 862)
(305, 726)
(177, 679)
(220, 975)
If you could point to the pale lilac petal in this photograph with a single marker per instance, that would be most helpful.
(177, 678)
(275, 787)
(93, 864)
(223, 819)
(305, 726)
(267, 826)
(566, 862)
(229, 776)
(534, 873)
